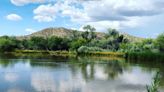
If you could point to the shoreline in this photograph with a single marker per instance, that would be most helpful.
(134, 56)
(70, 53)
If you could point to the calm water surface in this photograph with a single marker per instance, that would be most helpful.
(81, 74)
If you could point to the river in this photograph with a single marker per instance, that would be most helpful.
(76, 74)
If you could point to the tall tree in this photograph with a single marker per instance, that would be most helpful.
(113, 32)
(89, 33)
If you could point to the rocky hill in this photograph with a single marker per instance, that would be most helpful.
(63, 32)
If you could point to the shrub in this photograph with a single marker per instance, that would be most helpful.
(160, 42)
(85, 49)
(6, 45)
(75, 44)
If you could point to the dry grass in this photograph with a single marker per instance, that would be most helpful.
(67, 53)
(52, 53)
(111, 54)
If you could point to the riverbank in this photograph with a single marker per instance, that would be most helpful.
(137, 56)
(51, 53)
(70, 53)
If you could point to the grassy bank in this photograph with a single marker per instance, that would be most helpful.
(137, 56)
(44, 52)
(69, 53)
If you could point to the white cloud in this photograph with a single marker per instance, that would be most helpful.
(29, 30)
(13, 17)
(112, 10)
(45, 13)
(102, 14)
(108, 10)
(48, 13)
(76, 14)
(104, 25)
(23, 2)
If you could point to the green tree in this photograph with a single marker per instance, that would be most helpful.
(25, 44)
(58, 43)
(77, 43)
(89, 33)
(75, 34)
(160, 42)
(88, 28)
(112, 32)
(37, 43)
(85, 35)
(6, 45)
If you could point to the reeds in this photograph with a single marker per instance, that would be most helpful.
(155, 84)
(145, 56)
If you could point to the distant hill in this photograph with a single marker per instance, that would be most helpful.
(59, 32)
(64, 32)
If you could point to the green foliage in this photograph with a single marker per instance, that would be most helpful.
(146, 45)
(113, 41)
(89, 28)
(160, 42)
(112, 32)
(25, 44)
(57, 43)
(87, 38)
(101, 43)
(89, 33)
(7, 44)
(37, 43)
(77, 43)
(85, 35)
(75, 35)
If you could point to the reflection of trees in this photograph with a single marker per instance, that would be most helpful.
(7, 56)
(113, 69)
(8, 62)
(29, 55)
(87, 71)
(36, 63)
(88, 67)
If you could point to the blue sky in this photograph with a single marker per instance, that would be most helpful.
(143, 18)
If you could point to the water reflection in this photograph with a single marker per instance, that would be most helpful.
(15, 90)
(75, 75)
(11, 77)
(43, 82)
